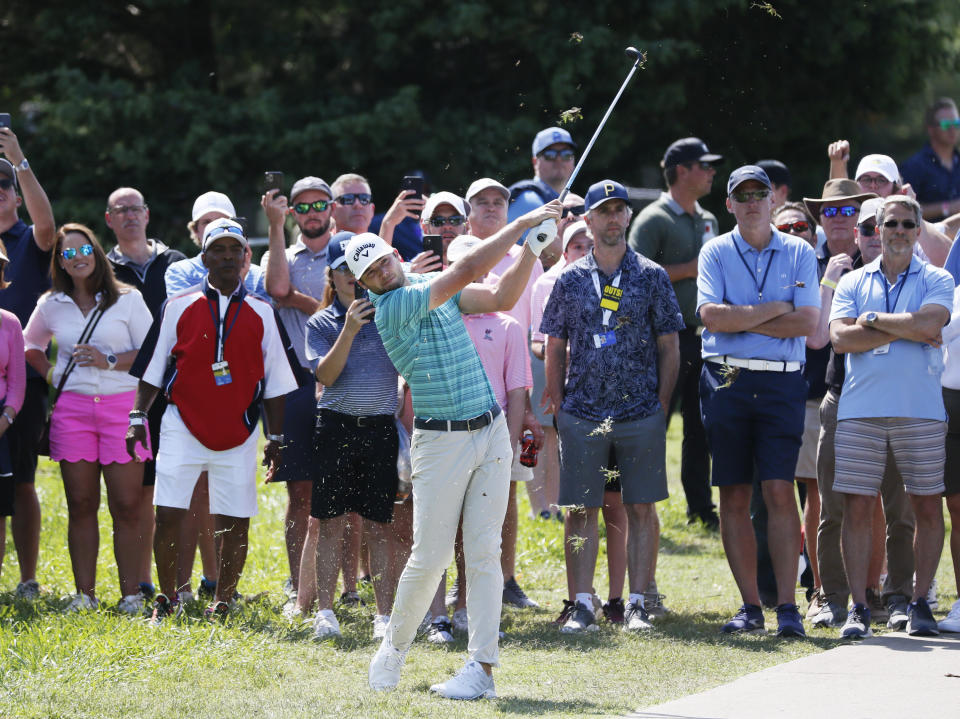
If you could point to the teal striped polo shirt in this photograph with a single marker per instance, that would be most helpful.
(433, 352)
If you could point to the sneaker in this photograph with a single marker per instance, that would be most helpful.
(82, 603)
(185, 597)
(471, 682)
(857, 625)
(546, 514)
(515, 596)
(217, 612)
(351, 599)
(147, 589)
(897, 606)
(748, 620)
(453, 594)
(581, 619)
(28, 590)
(932, 601)
(163, 608)
(291, 612)
(921, 622)
(951, 622)
(830, 615)
(460, 621)
(636, 619)
(385, 667)
(878, 610)
(207, 588)
(325, 625)
(789, 623)
(613, 610)
(565, 613)
(440, 631)
(653, 601)
(817, 602)
(380, 622)
(131, 604)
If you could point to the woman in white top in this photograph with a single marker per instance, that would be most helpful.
(91, 414)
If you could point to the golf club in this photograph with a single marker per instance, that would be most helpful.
(637, 58)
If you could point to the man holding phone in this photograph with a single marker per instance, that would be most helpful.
(444, 215)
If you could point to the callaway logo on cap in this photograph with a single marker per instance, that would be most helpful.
(363, 250)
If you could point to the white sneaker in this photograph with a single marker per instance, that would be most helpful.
(28, 590)
(82, 603)
(131, 604)
(385, 667)
(471, 682)
(440, 631)
(291, 612)
(636, 619)
(325, 625)
(951, 623)
(460, 621)
(380, 623)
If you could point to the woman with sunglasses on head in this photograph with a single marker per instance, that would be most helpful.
(90, 413)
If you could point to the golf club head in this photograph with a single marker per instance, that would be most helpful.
(634, 54)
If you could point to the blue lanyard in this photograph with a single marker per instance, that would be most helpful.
(220, 323)
(763, 281)
(898, 286)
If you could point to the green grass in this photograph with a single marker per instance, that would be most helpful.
(257, 664)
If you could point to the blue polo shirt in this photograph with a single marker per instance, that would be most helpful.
(368, 383)
(28, 272)
(929, 178)
(433, 352)
(904, 382)
(734, 273)
(189, 273)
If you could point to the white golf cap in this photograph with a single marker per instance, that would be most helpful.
(223, 228)
(868, 210)
(443, 198)
(882, 164)
(571, 230)
(363, 250)
(485, 183)
(460, 246)
(212, 202)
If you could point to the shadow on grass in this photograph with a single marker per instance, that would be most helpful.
(704, 628)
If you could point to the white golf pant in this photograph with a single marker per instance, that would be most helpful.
(454, 472)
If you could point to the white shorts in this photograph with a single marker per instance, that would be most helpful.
(519, 472)
(232, 472)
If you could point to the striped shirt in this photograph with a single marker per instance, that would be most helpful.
(368, 383)
(433, 352)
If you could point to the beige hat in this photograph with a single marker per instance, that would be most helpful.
(836, 190)
(461, 246)
(443, 198)
(485, 183)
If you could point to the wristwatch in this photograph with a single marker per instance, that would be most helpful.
(870, 319)
(23, 166)
(112, 361)
(274, 438)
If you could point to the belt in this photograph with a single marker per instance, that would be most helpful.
(373, 420)
(759, 365)
(459, 425)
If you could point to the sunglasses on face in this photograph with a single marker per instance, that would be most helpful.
(846, 211)
(793, 227)
(745, 197)
(554, 155)
(302, 208)
(872, 180)
(453, 221)
(362, 197)
(950, 124)
(868, 230)
(71, 252)
(905, 224)
(6, 184)
(576, 211)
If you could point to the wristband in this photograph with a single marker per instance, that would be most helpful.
(828, 283)
(137, 413)
(50, 375)
(7, 416)
(138, 421)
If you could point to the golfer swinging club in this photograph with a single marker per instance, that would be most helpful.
(460, 449)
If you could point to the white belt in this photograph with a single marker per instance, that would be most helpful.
(759, 365)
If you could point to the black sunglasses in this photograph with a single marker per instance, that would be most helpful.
(576, 211)
(362, 197)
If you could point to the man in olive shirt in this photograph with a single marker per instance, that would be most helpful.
(670, 231)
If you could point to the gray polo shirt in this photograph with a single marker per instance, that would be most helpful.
(666, 234)
(308, 275)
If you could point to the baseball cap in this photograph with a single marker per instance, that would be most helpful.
(868, 210)
(336, 249)
(363, 250)
(460, 246)
(443, 198)
(602, 191)
(485, 183)
(223, 228)
(688, 149)
(778, 173)
(212, 202)
(548, 137)
(309, 183)
(6, 168)
(747, 172)
(571, 230)
(882, 164)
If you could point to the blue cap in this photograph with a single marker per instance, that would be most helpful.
(602, 191)
(548, 137)
(336, 248)
(747, 172)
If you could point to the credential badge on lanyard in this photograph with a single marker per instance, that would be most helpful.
(220, 367)
(610, 297)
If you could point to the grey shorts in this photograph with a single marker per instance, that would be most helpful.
(585, 452)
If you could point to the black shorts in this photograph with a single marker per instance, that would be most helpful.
(355, 467)
(613, 478)
(299, 419)
(24, 434)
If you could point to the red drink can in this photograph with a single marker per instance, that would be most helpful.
(528, 450)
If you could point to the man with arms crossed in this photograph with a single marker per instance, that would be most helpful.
(460, 449)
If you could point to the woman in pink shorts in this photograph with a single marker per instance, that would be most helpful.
(91, 414)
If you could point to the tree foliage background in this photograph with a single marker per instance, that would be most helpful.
(176, 97)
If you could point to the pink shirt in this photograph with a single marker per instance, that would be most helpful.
(502, 347)
(13, 369)
(540, 295)
(521, 310)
